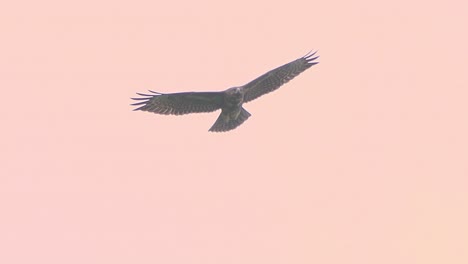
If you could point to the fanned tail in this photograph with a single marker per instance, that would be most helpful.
(226, 121)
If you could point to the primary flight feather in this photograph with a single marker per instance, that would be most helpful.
(229, 101)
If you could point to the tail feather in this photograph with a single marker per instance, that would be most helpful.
(226, 121)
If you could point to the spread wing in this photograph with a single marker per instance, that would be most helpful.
(273, 79)
(179, 103)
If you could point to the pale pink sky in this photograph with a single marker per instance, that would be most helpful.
(361, 159)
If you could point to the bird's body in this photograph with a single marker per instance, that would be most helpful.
(229, 101)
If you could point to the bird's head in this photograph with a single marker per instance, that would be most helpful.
(234, 91)
(234, 95)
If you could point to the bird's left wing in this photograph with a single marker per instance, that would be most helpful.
(179, 103)
(273, 79)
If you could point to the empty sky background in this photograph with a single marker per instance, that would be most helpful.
(361, 159)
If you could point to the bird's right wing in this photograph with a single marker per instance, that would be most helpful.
(179, 103)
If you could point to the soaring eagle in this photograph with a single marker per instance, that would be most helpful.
(229, 101)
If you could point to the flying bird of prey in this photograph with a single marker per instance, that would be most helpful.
(229, 101)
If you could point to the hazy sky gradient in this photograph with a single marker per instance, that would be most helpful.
(361, 159)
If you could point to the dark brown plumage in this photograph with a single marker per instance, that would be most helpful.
(229, 101)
